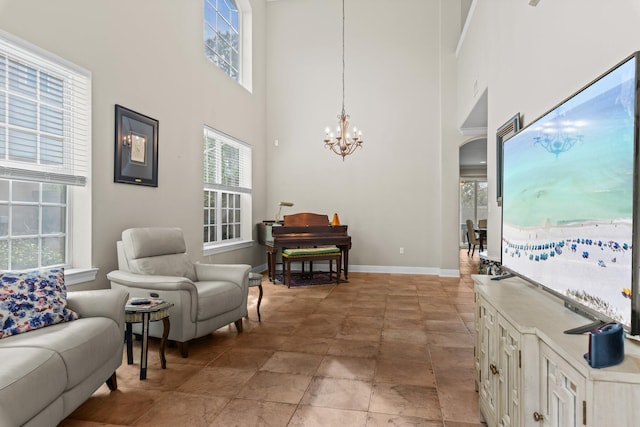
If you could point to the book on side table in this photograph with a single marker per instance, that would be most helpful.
(144, 304)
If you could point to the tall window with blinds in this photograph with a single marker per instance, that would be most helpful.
(227, 190)
(45, 130)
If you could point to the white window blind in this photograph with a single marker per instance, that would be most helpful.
(45, 115)
(227, 163)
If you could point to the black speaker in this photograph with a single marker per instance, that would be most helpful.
(606, 346)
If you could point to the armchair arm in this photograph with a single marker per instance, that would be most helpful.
(162, 284)
(236, 273)
(99, 303)
(143, 281)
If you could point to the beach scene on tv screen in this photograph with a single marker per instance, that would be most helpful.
(568, 197)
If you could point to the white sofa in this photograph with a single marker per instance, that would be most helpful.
(45, 374)
(153, 262)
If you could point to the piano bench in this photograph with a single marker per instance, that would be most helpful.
(308, 254)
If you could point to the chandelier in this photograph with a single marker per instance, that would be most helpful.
(343, 142)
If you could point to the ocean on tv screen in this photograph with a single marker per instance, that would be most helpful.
(568, 197)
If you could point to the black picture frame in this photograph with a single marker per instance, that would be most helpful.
(504, 132)
(136, 148)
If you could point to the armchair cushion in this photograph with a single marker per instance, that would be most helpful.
(145, 242)
(158, 251)
(177, 265)
(216, 297)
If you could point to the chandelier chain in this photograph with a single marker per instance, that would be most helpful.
(343, 143)
(343, 62)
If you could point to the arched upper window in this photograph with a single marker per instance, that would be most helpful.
(222, 35)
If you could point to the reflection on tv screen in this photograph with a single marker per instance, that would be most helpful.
(568, 196)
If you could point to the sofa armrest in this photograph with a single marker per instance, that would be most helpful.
(236, 273)
(99, 303)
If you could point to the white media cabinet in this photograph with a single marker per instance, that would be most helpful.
(529, 373)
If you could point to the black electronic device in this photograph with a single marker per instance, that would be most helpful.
(570, 204)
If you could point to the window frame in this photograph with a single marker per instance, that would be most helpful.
(74, 170)
(242, 190)
(216, 28)
(244, 44)
(40, 204)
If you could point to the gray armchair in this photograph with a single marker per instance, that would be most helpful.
(153, 262)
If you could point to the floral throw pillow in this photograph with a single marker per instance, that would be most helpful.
(32, 300)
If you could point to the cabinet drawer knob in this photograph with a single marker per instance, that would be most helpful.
(538, 416)
(494, 369)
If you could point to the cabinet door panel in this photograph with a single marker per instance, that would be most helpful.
(562, 391)
(488, 361)
(509, 378)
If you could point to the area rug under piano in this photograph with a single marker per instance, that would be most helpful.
(318, 278)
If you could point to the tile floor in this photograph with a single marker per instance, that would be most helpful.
(383, 349)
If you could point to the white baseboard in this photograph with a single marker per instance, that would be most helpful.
(429, 271)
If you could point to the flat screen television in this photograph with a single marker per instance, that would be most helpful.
(570, 199)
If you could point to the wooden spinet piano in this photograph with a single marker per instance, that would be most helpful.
(303, 230)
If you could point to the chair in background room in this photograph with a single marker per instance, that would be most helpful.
(482, 232)
(472, 237)
(152, 262)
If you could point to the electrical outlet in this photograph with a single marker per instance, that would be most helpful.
(401, 251)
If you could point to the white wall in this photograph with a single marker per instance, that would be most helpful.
(532, 58)
(472, 61)
(390, 192)
(147, 55)
(399, 191)
(451, 138)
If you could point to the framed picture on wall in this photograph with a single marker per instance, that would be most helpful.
(503, 133)
(136, 148)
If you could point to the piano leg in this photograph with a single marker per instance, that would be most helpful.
(338, 268)
(345, 260)
(271, 263)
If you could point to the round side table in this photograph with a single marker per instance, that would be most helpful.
(144, 310)
(255, 279)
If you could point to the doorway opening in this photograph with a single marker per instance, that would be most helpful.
(474, 195)
(473, 204)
